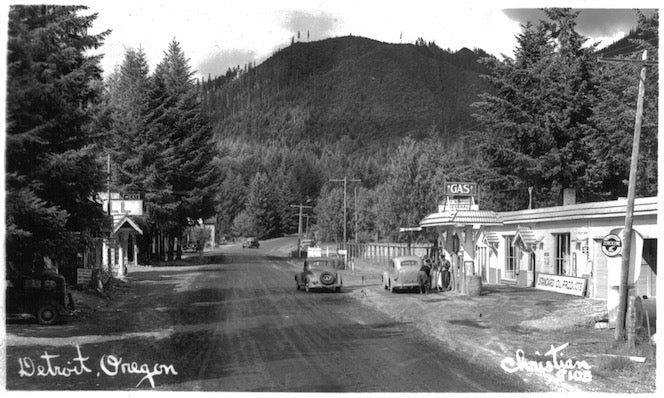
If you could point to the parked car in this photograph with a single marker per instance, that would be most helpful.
(40, 294)
(320, 273)
(251, 242)
(189, 248)
(401, 273)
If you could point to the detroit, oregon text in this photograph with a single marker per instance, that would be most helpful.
(109, 365)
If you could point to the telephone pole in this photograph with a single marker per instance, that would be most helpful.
(345, 180)
(631, 193)
(299, 225)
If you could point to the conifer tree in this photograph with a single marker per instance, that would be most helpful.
(184, 177)
(52, 169)
(614, 115)
(537, 121)
(262, 206)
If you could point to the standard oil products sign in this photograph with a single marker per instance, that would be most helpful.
(561, 284)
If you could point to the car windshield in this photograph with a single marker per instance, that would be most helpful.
(410, 263)
(321, 264)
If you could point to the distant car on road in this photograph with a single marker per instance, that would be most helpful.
(320, 273)
(401, 273)
(189, 248)
(251, 242)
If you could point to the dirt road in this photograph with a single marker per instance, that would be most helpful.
(237, 325)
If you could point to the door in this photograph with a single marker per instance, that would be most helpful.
(562, 260)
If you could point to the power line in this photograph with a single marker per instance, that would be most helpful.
(299, 225)
(345, 181)
(643, 63)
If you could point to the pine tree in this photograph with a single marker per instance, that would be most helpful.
(185, 176)
(614, 114)
(262, 206)
(52, 169)
(538, 118)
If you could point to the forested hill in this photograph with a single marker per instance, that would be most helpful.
(372, 93)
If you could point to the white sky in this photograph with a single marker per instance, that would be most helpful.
(217, 34)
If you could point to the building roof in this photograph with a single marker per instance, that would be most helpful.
(461, 217)
(126, 222)
(526, 236)
(491, 238)
(614, 208)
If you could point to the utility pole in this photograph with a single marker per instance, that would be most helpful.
(299, 226)
(108, 182)
(631, 193)
(355, 197)
(345, 181)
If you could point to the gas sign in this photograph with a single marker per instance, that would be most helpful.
(460, 189)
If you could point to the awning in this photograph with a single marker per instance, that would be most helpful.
(491, 239)
(461, 217)
(526, 237)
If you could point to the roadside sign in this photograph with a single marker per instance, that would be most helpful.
(83, 276)
(612, 245)
(561, 284)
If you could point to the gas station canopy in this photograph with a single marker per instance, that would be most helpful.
(461, 217)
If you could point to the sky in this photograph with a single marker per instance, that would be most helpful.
(216, 35)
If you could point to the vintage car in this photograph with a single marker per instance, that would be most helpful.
(189, 248)
(320, 273)
(401, 273)
(251, 242)
(40, 294)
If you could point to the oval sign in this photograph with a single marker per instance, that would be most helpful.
(612, 245)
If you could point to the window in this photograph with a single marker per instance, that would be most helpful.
(483, 261)
(510, 258)
(561, 261)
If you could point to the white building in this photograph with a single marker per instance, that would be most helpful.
(121, 248)
(564, 242)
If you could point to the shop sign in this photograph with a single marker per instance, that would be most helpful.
(612, 245)
(314, 252)
(460, 189)
(83, 276)
(561, 284)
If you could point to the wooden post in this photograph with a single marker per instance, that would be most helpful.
(629, 211)
(630, 323)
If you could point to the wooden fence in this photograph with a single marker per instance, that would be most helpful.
(381, 253)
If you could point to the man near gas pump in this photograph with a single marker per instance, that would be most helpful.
(445, 269)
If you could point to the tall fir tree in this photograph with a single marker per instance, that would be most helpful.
(263, 206)
(614, 115)
(182, 188)
(538, 117)
(53, 171)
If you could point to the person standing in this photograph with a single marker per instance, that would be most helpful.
(423, 275)
(445, 271)
(436, 277)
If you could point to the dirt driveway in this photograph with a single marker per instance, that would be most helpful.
(492, 328)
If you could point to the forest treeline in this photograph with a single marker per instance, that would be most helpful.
(247, 146)
(405, 118)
